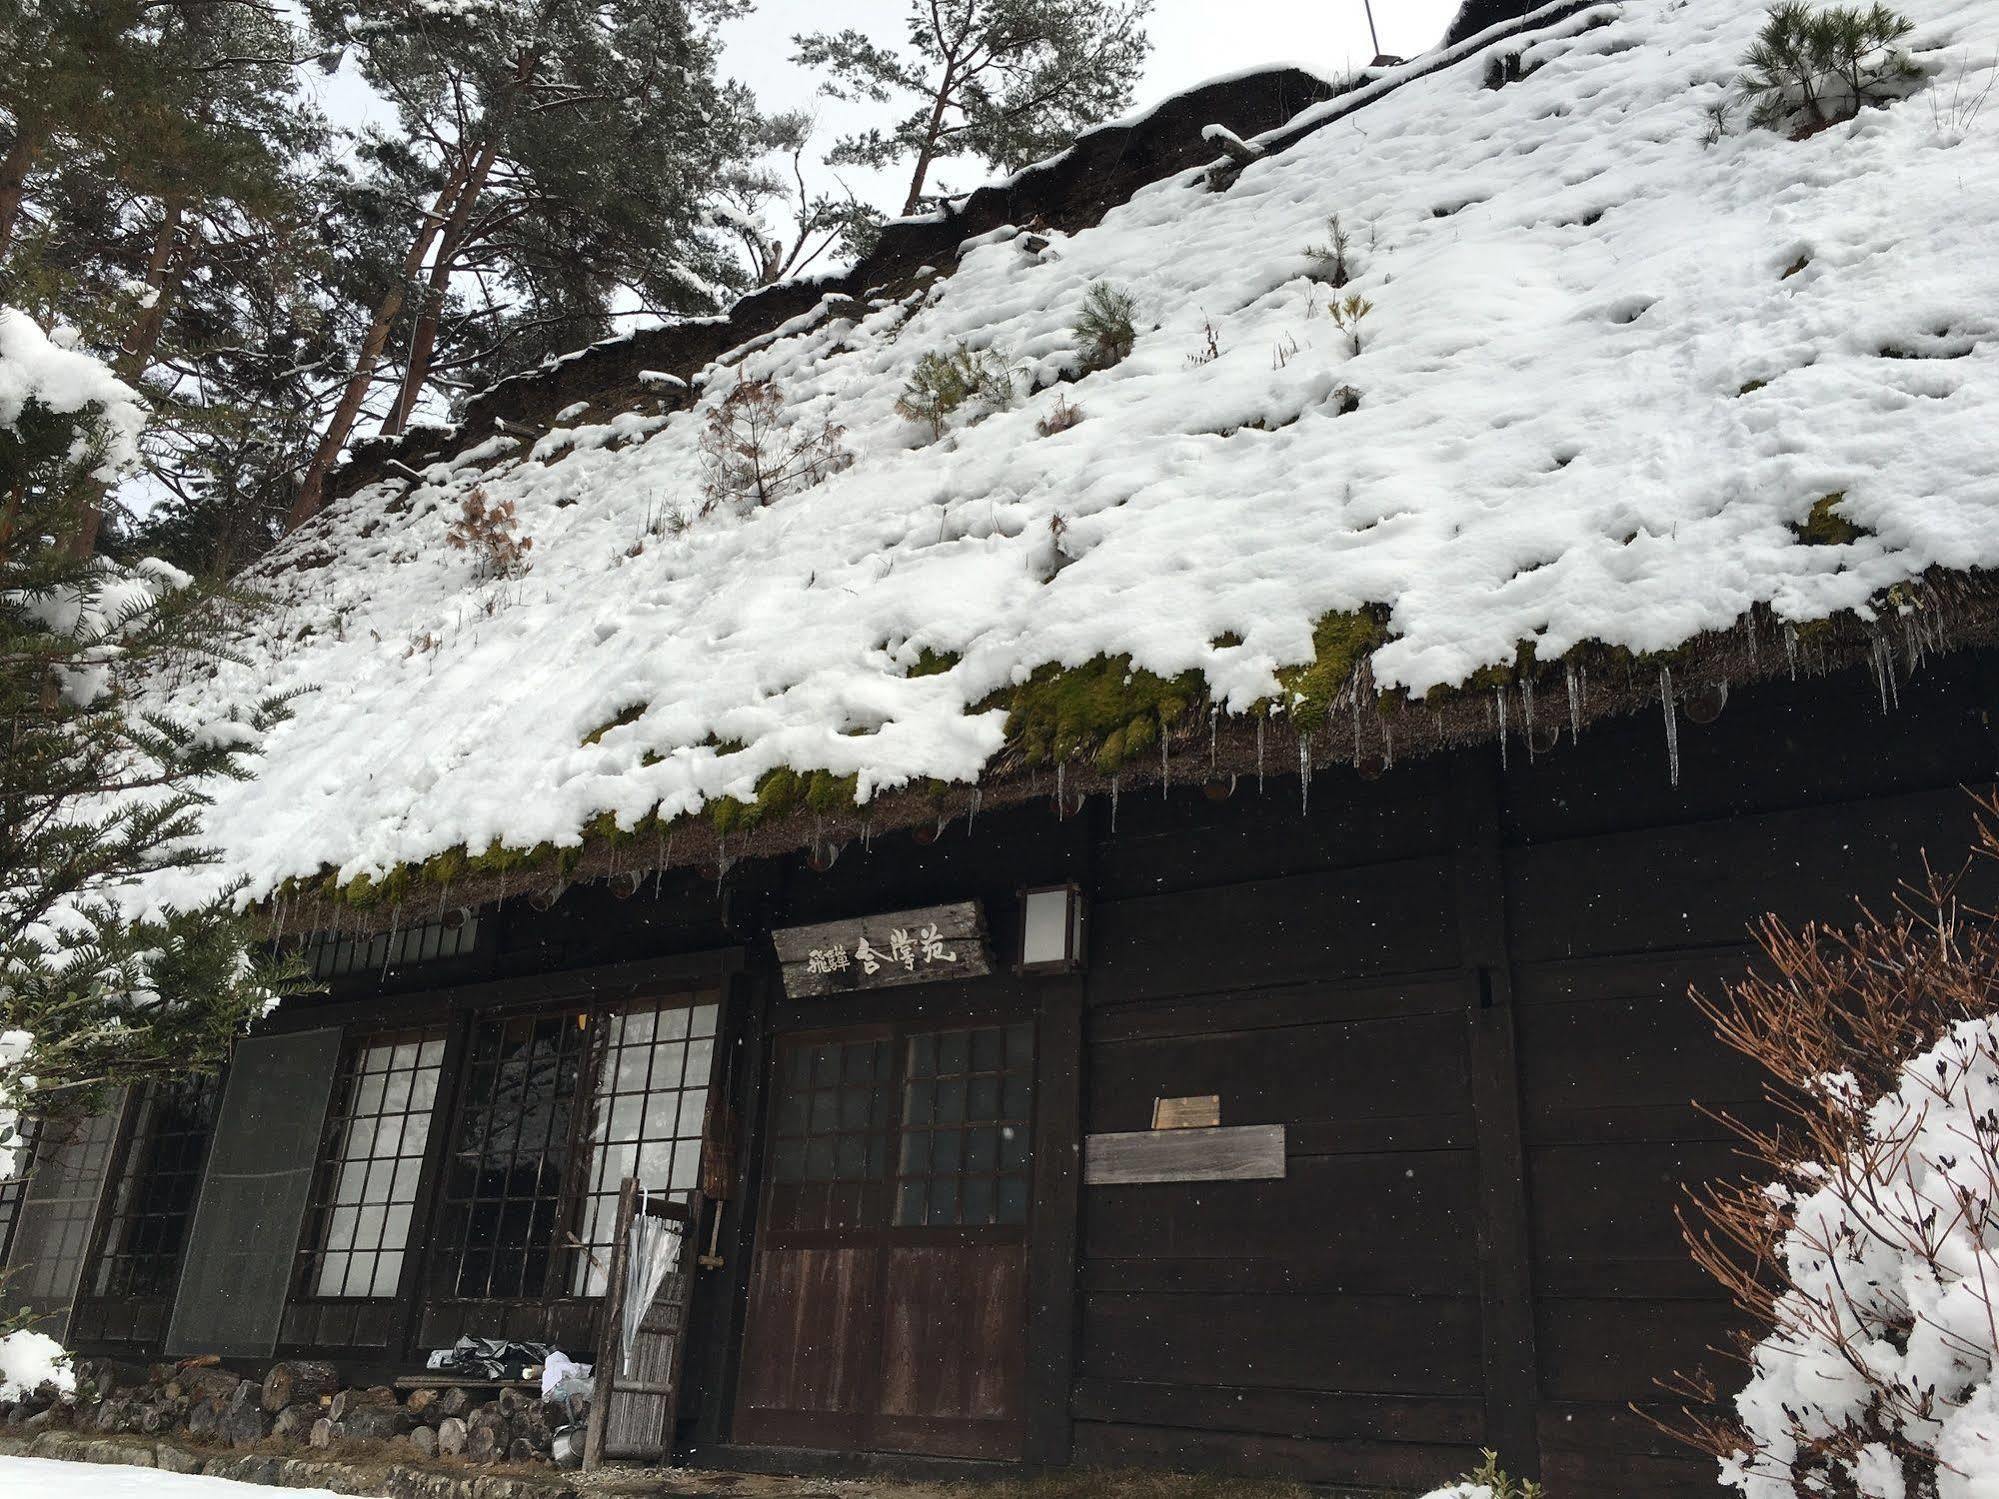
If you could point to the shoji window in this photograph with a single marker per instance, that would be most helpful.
(157, 1184)
(377, 1132)
(646, 1118)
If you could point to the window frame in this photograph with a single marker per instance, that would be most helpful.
(137, 1130)
(320, 1207)
(880, 1227)
(681, 991)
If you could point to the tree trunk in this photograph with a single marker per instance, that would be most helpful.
(423, 340)
(14, 168)
(312, 488)
(163, 273)
(932, 133)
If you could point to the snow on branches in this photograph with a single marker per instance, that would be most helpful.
(1866, 1257)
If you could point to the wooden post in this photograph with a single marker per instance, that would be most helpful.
(1051, 1260)
(608, 1340)
(1505, 1245)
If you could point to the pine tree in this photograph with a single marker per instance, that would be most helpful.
(158, 221)
(1006, 81)
(565, 151)
(96, 791)
(773, 184)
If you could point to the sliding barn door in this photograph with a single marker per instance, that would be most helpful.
(888, 1300)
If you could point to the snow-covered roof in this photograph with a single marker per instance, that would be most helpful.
(1622, 386)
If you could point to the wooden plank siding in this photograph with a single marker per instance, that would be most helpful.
(1460, 989)
(1463, 988)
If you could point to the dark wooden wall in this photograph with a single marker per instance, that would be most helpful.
(1463, 988)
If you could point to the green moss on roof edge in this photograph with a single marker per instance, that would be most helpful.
(1107, 720)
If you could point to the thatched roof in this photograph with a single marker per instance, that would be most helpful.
(1633, 416)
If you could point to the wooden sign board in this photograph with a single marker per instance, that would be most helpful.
(1249, 1152)
(928, 946)
(1201, 1112)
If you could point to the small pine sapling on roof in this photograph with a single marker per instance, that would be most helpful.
(1104, 328)
(753, 457)
(1348, 315)
(490, 532)
(1810, 69)
(1332, 262)
(959, 377)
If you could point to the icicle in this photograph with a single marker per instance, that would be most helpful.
(1259, 756)
(1672, 724)
(1527, 714)
(1499, 710)
(1575, 677)
(662, 850)
(1061, 789)
(1214, 732)
(1165, 765)
(1388, 742)
(1884, 672)
(1113, 804)
(1304, 773)
(1749, 624)
(972, 810)
(868, 835)
(395, 915)
(1791, 649)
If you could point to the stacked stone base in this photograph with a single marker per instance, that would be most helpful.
(298, 1407)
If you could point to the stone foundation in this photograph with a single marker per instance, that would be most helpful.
(298, 1407)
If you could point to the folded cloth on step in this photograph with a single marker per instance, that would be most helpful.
(490, 1358)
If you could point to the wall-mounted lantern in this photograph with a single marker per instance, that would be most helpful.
(1053, 925)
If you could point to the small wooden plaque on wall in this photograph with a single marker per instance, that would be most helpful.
(1203, 1111)
(1250, 1152)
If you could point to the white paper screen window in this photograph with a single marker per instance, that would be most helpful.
(370, 1181)
(650, 1106)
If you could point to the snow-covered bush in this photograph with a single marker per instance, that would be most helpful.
(29, 1359)
(1103, 329)
(1812, 68)
(940, 384)
(754, 456)
(1866, 1258)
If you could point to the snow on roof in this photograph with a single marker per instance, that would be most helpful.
(1610, 370)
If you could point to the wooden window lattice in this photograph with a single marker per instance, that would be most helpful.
(967, 1108)
(365, 1193)
(156, 1187)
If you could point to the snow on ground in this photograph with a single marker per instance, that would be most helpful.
(55, 1480)
(1593, 404)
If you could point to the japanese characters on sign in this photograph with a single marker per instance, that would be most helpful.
(900, 947)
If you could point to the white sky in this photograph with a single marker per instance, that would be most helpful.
(1193, 40)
